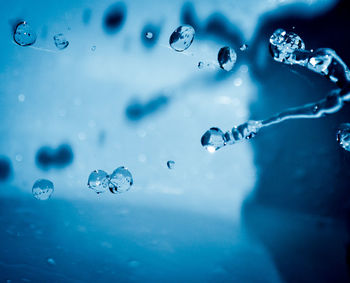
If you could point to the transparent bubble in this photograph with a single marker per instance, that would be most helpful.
(343, 136)
(98, 181)
(42, 189)
(149, 35)
(182, 38)
(171, 164)
(200, 65)
(120, 180)
(283, 45)
(60, 41)
(243, 47)
(213, 139)
(24, 35)
(227, 58)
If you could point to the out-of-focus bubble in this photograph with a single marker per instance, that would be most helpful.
(60, 157)
(182, 38)
(93, 48)
(114, 18)
(51, 261)
(120, 180)
(200, 65)
(24, 35)
(42, 189)
(149, 35)
(343, 136)
(98, 181)
(243, 47)
(60, 41)
(5, 168)
(227, 58)
(86, 16)
(171, 164)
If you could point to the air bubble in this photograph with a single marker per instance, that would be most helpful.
(98, 181)
(182, 38)
(243, 47)
(227, 58)
(42, 189)
(149, 35)
(93, 48)
(343, 136)
(200, 65)
(171, 164)
(60, 41)
(120, 180)
(283, 44)
(24, 35)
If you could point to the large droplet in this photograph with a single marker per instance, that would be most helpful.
(42, 189)
(24, 35)
(182, 38)
(120, 180)
(343, 136)
(227, 58)
(60, 41)
(283, 44)
(98, 181)
(213, 139)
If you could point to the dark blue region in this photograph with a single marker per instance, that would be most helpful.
(5, 168)
(114, 18)
(60, 157)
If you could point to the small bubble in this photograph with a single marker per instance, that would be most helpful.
(243, 47)
(142, 158)
(82, 136)
(19, 157)
(98, 181)
(120, 180)
(133, 263)
(93, 48)
(149, 35)
(60, 41)
(200, 65)
(171, 164)
(238, 82)
(343, 136)
(182, 38)
(227, 58)
(213, 139)
(51, 261)
(42, 189)
(21, 98)
(24, 35)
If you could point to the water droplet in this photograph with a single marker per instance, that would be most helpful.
(320, 61)
(200, 65)
(343, 136)
(227, 58)
(182, 38)
(21, 98)
(171, 164)
(24, 35)
(213, 139)
(283, 44)
(120, 180)
(98, 181)
(93, 48)
(60, 41)
(42, 189)
(51, 261)
(149, 35)
(244, 47)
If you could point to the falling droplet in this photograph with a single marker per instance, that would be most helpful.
(244, 47)
(98, 181)
(227, 58)
(182, 38)
(60, 41)
(343, 136)
(171, 164)
(24, 35)
(120, 180)
(42, 189)
(149, 35)
(283, 44)
(213, 139)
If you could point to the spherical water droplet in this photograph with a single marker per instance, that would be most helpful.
(171, 164)
(227, 58)
(42, 189)
(120, 180)
(149, 35)
(283, 44)
(244, 47)
(98, 181)
(213, 139)
(60, 41)
(24, 35)
(343, 136)
(182, 38)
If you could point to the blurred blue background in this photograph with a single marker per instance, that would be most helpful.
(271, 210)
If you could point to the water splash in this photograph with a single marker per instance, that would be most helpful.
(288, 48)
(343, 136)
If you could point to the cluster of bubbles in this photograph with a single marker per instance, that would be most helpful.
(42, 189)
(119, 181)
(289, 48)
(182, 38)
